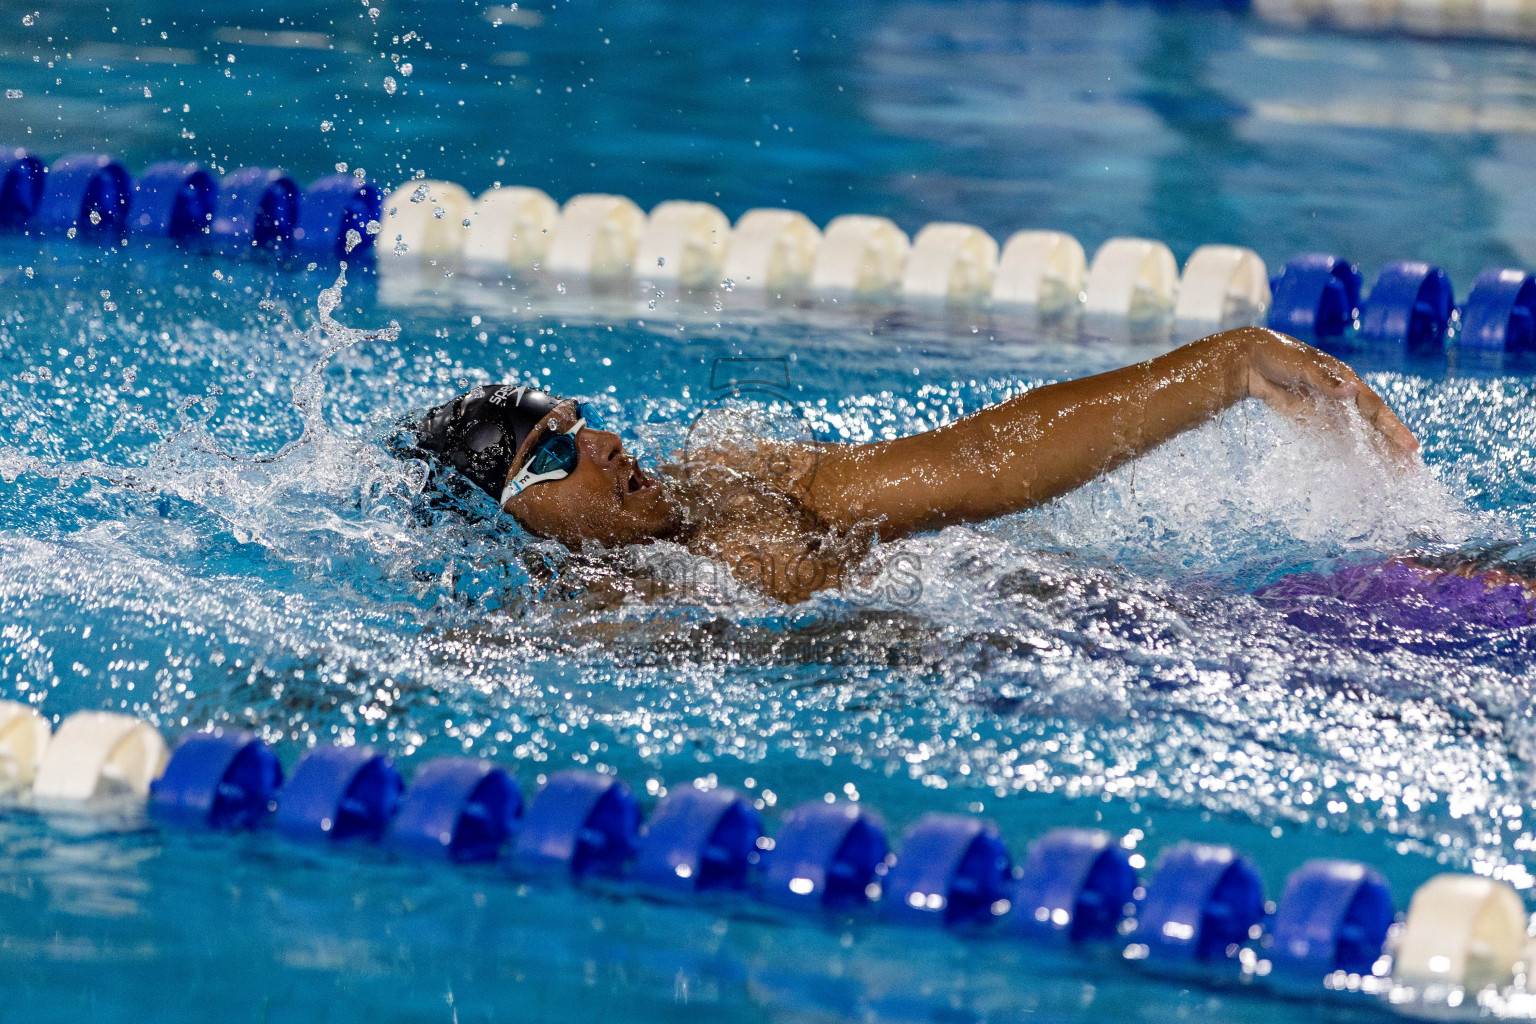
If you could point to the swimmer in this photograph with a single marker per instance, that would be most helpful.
(791, 519)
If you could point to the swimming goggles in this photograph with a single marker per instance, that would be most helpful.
(553, 458)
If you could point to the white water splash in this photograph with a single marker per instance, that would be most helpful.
(285, 501)
(1253, 488)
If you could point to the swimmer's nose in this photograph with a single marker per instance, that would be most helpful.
(604, 446)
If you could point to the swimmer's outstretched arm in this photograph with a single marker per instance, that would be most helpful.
(1056, 438)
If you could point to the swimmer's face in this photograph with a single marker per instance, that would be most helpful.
(606, 498)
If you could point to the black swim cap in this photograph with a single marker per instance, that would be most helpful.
(479, 432)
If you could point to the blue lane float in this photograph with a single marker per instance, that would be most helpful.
(950, 870)
(339, 793)
(699, 841)
(1409, 306)
(583, 823)
(1202, 904)
(85, 193)
(219, 779)
(463, 809)
(1074, 887)
(21, 187)
(1500, 313)
(1334, 916)
(174, 200)
(825, 855)
(1315, 295)
(258, 209)
(339, 217)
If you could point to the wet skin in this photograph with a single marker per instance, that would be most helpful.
(794, 519)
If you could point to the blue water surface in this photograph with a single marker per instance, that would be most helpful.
(201, 521)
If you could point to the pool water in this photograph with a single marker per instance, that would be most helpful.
(201, 520)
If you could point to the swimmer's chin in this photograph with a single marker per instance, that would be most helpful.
(666, 516)
(650, 512)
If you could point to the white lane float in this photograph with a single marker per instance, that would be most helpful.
(686, 242)
(596, 237)
(861, 255)
(424, 220)
(1507, 19)
(1132, 278)
(1041, 270)
(99, 754)
(1361, 15)
(1463, 934)
(24, 735)
(952, 262)
(1223, 286)
(510, 228)
(1438, 17)
(772, 251)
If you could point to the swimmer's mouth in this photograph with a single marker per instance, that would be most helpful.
(637, 480)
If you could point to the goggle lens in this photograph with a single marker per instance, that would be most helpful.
(556, 453)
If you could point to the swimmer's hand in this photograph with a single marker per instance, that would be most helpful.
(1291, 377)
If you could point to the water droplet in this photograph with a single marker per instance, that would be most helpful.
(401, 248)
(718, 306)
(341, 168)
(148, 94)
(405, 70)
(661, 261)
(560, 288)
(438, 213)
(13, 94)
(353, 239)
(29, 20)
(466, 222)
(728, 285)
(326, 126)
(389, 85)
(419, 194)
